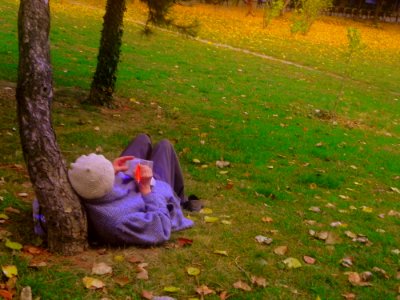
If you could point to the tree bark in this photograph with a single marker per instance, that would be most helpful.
(103, 84)
(65, 217)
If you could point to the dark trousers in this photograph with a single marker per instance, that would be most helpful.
(166, 165)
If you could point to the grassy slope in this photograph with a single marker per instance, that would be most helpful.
(254, 113)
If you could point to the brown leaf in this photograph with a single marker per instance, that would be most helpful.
(223, 295)
(122, 280)
(281, 250)
(349, 296)
(204, 290)
(355, 279)
(229, 185)
(259, 281)
(37, 264)
(142, 272)
(267, 220)
(143, 275)
(101, 268)
(147, 295)
(33, 250)
(381, 272)
(242, 286)
(309, 260)
(12, 210)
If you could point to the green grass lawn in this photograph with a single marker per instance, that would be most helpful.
(287, 159)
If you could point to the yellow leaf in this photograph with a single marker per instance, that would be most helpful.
(13, 245)
(221, 252)
(4, 217)
(208, 219)
(119, 258)
(367, 209)
(292, 263)
(9, 270)
(92, 283)
(171, 289)
(192, 271)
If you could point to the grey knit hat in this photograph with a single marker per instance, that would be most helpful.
(91, 176)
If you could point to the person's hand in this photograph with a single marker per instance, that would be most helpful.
(146, 173)
(120, 164)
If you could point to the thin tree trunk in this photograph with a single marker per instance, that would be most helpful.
(65, 217)
(103, 84)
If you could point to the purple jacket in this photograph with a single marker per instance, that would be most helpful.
(124, 216)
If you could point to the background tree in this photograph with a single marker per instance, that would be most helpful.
(103, 84)
(65, 218)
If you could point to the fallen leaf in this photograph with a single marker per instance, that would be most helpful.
(192, 271)
(223, 295)
(122, 280)
(281, 250)
(204, 290)
(323, 235)
(350, 234)
(9, 271)
(355, 279)
(395, 251)
(4, 216)
(315, 209)
(119, 258)
(263, 239)
(226, 222)
(221, 252)
(367, 209)
(381, 272)
(13, 245)
(12, 210)
(147, 295)
(101, 269)
(92, 283)
(209, 219)
(6, 295)
(267, 220)
(242, 286)
(33, 250)
(394, 189)
(259, 281)
(292, 263)
(183, 242)
(171, 289)
(347, 262)
(309, 260)
(142, 272)
(349, 296)
(37, 264)
(222, 164)
(196, 161)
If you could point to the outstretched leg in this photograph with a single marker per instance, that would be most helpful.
(140, 147)
(167, 167)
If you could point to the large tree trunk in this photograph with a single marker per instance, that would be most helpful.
(65, 218)
(103, 84)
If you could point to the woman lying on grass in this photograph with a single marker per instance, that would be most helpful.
(135, 207)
